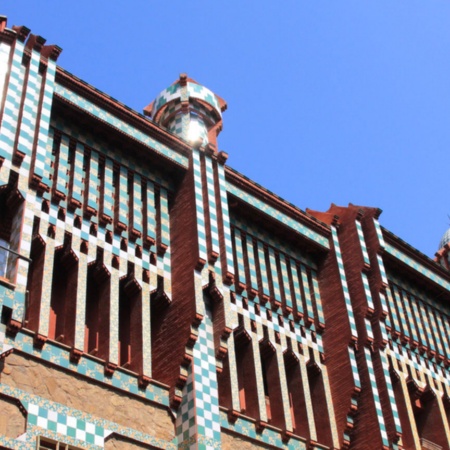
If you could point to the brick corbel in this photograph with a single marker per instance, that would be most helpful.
(39, 340)
(110, 368)
(144, 381)
(22, 32)
(75, 355)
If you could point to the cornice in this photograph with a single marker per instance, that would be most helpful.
(276, 202)
(413, 253)
(120, 110)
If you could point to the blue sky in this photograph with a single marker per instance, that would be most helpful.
(328, 101)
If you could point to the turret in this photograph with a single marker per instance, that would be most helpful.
(189, 110)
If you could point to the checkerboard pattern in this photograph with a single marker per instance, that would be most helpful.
(62, 158)
(354, 366)
(437, 279)
(367, 291)
(362, 242)
(198, 416)
(30, 106)
(297, 290)
(379, 234)
(392, 401)
(212, 205)
(423, 319)
(281, 217)
(274, 275)
(5, 50)
(239, 256)
(228, 248)
(278, 323)
(275, 272)
(42, 166)
(136, 198)
(198, 187)
(285, 281)
(66, 425)
(202, 93)
(308, 301)
(348, 303)
(376, 397)
(8, 125)
(263, 269)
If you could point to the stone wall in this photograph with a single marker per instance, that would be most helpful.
(49, 382)
(232, 442)
(119, 443)
(12, 421)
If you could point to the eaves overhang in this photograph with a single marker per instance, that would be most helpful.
(112, 113)
(292, 218)
(415, 262)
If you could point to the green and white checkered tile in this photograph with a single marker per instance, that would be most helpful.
(198, 188)
(376, 397)
(309, 340)
(151, 211)
(286, 281)
(279, 216)
(379, 233)
(30, 108)
(263, 269)
(239, 257)
(384, 308)
(362, 242)
(225, 219)
(164, 217)
(418, 267)
(368, 328)
(251, 264)
(79, 174)
(343, 278)
(118, 155)
(122, 126)
(212, 205)
(317, 297)
(382, 269)
(5, 50)
(167, 95)
(354, 366)
(271, 240)
(367, 291)
(274, 275)
(306, 289)
(297, 291)
(206, 390)
(383, 330)
(392, 311)
(42, 150)
(66, 425)
(201, 92)
(411, 317)
(13, 95)
(63, 162)
(400, 311)
(137, 203)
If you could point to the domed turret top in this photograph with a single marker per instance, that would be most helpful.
(445, 239)
(189, 110)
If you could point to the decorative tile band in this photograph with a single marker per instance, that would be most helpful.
(283, 218)
(418, 267)
(129, 130)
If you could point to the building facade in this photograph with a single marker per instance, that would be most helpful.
(152, 297)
